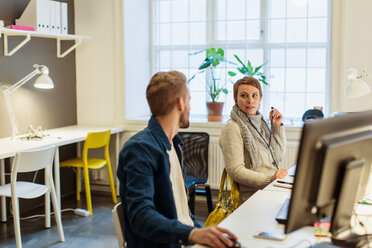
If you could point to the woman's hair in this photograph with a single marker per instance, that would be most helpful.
(248, 81)
(163, 91)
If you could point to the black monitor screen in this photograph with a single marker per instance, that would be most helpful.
(327, 149)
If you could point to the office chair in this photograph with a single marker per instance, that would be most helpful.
(93, 140)
(28, 162)
(195, 160)
(118, 217)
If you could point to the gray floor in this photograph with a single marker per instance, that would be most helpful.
(94, 231)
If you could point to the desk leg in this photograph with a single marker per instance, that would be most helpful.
(117, 151)
(56, 176)
(3, 198)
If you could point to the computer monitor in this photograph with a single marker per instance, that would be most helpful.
(334, 158)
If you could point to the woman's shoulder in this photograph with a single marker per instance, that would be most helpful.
(231, 126)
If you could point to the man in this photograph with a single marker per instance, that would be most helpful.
(150, 171)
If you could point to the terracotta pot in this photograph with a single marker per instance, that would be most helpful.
(215, 111)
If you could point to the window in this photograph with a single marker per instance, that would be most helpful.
(294, 35)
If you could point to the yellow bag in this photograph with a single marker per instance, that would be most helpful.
(225, 206)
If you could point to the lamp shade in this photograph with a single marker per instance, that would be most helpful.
(44, 82)
(356, 88)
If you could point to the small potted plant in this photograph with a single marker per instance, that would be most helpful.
(249, 70)
(215, 87)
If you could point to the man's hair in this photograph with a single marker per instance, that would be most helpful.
(248, 81)
(163, 91)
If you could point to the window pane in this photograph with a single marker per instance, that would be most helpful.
(236, 9)
(296, 8)
(197, 103)
(253, 9)
(229, 54)
(316, 57)
(277, 57)
(255, 56)
(165, 59)
(164, 11)
(277, 100)
(253, 30)
(318, 8)
(180, 59)
(221, 9)
(196, 59)
(198, 33)
(295, 80)
(316, 80)
(277, 31)
(180, 10)
(198, 82)
(198, 10)
(277, 79)
(235, 30)
(179, 34)
(315, 100)
(164, 34)
(296, 30)
(296, 57)
(317, 30)
(220, 30)
(277, 8)
(295, 105)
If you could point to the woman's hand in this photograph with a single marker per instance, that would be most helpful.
(276, 117)
(280, 173)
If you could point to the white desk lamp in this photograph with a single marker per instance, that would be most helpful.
(356, 86)
(43, 82)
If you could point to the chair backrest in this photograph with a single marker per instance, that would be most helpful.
(96, 140)
(33, 160)
(195, 154)
(118, 217)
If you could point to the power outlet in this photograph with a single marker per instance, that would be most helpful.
(81, 212)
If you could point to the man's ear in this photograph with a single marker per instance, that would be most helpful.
(180, 104)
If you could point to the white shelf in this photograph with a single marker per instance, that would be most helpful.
(28, 34)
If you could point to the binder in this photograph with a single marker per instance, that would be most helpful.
(64, 18)
(37, 15)
(57, 16)
(52, 19)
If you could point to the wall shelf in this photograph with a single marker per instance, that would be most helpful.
(28, 34)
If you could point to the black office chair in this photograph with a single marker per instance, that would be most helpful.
(195, 160)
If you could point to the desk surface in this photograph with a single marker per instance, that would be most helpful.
(57, 137)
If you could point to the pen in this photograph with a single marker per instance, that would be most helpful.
(280, 181)
(365, 203)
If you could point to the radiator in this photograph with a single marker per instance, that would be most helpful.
(216, 164)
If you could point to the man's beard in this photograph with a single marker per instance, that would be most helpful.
(184, 119)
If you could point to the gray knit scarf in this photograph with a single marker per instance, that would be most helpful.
(250, 125)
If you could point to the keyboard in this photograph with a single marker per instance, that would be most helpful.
(281, 217)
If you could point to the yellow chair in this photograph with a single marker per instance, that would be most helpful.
(93, 140)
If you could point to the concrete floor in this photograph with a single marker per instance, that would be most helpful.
(93, 231)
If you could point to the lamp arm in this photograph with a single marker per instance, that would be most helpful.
(12, 117)
(14, 87)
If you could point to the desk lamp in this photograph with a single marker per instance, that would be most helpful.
(43, 82)
(356, 86)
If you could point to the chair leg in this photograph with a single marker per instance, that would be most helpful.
(17, 226)
(112, 185)
(209, 198)
(57, 213)
(47, 210)
(192, 199)
(78, 187)
(87, 190)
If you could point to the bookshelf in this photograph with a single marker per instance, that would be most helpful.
(29, 34)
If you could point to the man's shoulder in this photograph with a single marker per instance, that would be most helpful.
(143, 140)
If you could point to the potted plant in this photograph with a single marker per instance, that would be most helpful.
(249, 70)
(215, 87)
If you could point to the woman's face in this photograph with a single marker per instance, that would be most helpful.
(248, 99)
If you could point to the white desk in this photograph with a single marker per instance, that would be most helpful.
(57, 137)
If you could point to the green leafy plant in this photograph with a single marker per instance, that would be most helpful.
(249, 70)
(212, 59)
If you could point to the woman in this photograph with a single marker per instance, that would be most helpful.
(252, 152)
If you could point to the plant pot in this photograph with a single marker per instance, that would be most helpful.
(215, 111)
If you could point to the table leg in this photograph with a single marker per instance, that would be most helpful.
(57, 177)
(3, 198)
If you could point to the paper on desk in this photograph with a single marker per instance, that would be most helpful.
(362, 209)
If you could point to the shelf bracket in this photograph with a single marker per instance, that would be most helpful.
(15, 49)
(77, 43)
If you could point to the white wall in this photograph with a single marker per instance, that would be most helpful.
(100, 62)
